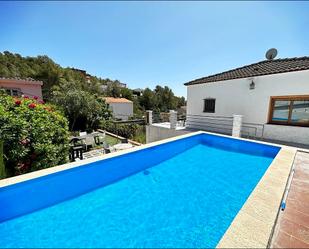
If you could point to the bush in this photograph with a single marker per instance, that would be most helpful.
(35, 135)
(123, 130)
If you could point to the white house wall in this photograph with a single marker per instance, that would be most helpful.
(122, 110)
(235, 97)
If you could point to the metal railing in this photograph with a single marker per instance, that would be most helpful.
(223, 125)
(219, 124)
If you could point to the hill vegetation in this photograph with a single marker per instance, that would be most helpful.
(64, 86)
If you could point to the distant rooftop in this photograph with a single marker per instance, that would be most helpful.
(265, 67)
(116, 100)
(21, 80)
(138, 90)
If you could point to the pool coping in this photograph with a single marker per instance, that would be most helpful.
(253, 225)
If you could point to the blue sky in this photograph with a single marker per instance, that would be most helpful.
(148, 43)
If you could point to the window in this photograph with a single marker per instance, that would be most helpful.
(209, 105)
(289, 110)
(13, 92)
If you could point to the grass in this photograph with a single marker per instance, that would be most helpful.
(111, 140)
(140, 135)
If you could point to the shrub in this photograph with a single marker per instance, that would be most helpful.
(123, 130)
(34, 135)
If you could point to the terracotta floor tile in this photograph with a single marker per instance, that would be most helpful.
(286, 225)
(292, 229)
(296, 216)
(302, 233)
(298, 205)
(296, 243)
(301, 188)
(281, 240)
(299, 195)
(301, 183)
(301, 175)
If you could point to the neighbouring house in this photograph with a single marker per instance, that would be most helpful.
(17, 87)
(137, 92)
(121, 108)
(271, 95)
(118, 83)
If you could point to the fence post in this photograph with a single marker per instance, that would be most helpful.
(173, 119)
(237, 123)
(149, 117)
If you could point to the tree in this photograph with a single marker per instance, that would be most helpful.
(83, 110)
(126, 93)
(148, 100)
(113, 90)
(181, 101)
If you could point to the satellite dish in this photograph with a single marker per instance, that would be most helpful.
(271, 53)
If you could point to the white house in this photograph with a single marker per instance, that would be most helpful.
(271, 95)
(121, 108)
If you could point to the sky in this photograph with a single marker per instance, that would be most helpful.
(145, 44)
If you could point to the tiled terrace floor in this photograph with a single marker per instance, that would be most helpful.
(292, 229)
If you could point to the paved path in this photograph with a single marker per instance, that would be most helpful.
(93, 153)
(292, 229)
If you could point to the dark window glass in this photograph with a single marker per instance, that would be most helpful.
(209, 105)
(15, 92)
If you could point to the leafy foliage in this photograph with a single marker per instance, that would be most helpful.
(83, 109)
(124, 130)
(35, 135)
(160, 99)
(2, 168)
(45, 69)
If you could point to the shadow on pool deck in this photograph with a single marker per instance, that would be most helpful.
(292, 229)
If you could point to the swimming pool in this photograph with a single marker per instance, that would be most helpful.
(183, 193)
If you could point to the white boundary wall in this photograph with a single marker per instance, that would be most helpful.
(156, 133)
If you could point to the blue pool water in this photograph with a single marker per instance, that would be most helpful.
(186, 200)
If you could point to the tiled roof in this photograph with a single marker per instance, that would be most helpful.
(116, 100)
(257, 69)
(20, 80)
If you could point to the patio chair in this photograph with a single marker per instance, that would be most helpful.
(106, 148)
(89, 141)
(75, 141)
(99, 139)
(83, 133)
(76, 149)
